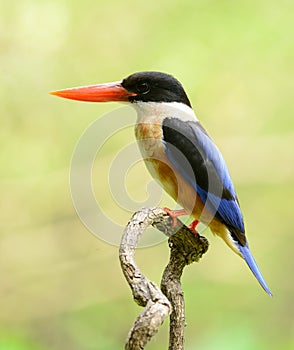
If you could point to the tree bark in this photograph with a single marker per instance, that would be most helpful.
(185, 248)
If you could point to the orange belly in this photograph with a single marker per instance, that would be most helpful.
(149, 136)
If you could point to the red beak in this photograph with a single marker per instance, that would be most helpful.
(96, 93)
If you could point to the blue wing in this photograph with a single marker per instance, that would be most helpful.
(196, 157)
(194, 154)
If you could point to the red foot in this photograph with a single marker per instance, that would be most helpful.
(175, 214)
(193, 226)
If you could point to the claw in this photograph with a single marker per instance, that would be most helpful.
(193, 226)
(175, 214)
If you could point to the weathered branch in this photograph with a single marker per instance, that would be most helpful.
(185, 249)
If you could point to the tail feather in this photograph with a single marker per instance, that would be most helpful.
(245, 252)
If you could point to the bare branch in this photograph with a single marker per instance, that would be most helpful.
(185, 249)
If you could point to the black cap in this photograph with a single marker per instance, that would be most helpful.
(155, 87)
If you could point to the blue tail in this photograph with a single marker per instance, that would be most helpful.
(253, 267)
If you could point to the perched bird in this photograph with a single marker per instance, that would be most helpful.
(179, 153)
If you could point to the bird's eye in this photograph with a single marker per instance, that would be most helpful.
(143, 88)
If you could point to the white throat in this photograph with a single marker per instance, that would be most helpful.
(161, 110)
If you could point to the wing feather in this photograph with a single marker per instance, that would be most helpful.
(193, 153)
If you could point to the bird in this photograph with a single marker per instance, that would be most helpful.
(179, 154)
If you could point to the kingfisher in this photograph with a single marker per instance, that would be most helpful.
(179, 154)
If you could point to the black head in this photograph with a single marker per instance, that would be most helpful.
(155, 87)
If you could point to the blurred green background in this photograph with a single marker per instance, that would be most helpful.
(61, 287)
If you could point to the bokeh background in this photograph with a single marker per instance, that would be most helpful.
(61, 287)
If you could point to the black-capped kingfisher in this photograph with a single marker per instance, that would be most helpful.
(179, 154)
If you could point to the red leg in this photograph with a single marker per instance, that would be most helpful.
(193, 226)
(175, 214)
